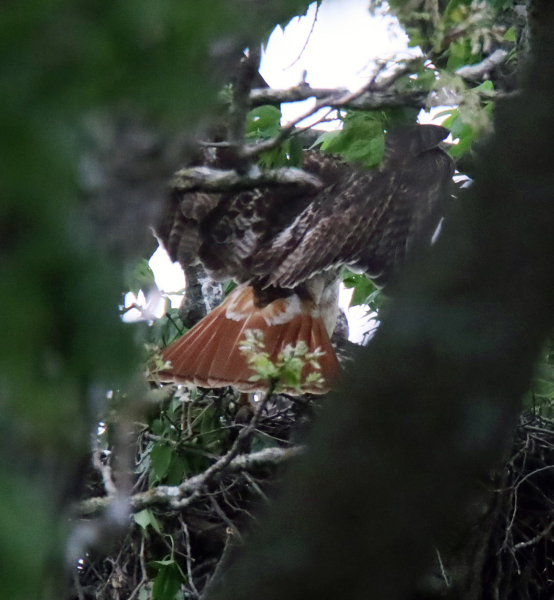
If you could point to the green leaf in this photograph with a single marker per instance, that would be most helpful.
(455, 124)
(459, 54)
(295, 152)
(510, 35)
(362, 137)
(416, 39)
(443, 113)
(463, 146)
(325, 139)
(363, 289)
(160, 458)
(486, 86)
(263, 122)
(146, 517)
(142, 518)
(228, 287)
(277, 157)
(350, 279)
(158, 427)
(167, 581)
(140, 277)
(376, 150)
(176, 470)
(157, 564)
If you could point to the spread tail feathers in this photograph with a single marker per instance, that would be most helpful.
(209, 355)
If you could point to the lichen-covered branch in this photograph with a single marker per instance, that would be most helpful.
(480, 70)
(179, 496)
(370, 100)
(214, 180)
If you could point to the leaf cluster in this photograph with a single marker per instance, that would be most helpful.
(362, 137)
(471, 119)
(263, 123)
(288, 372)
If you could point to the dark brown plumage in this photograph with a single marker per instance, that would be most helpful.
(285, 243)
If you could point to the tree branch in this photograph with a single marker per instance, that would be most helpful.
(370, 100)
(179, 496)
(482, 69)
(214, 180)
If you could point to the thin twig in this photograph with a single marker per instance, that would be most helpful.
(536, 539)
(221, 513)
(307, 40)
(255, 486)
(189, 556)
(144, 578)
(443, 570)
(332, 101)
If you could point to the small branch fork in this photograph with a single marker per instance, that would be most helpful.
(179, 497)
(376, 94)
(334, 101)
(525, 523)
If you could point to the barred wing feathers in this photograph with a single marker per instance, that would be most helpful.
(285, 247)
(372, 220)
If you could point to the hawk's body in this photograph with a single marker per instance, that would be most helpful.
(287, 248)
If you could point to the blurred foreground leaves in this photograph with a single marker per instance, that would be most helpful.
(63, 344)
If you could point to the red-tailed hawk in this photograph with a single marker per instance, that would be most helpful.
(285, 248)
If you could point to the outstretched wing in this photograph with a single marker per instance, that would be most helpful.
(278, 236)
(373, 220)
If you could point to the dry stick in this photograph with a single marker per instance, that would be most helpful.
(215, 180)
(369, 100)
(104, 470)
(443, 570)
(480, 70)
(536, 539)
(143, 571)
(224, 461)
(221, 514)
(248, 69)
(256, 487)
(189, 557)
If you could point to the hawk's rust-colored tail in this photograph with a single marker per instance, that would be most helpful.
(209, 354)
